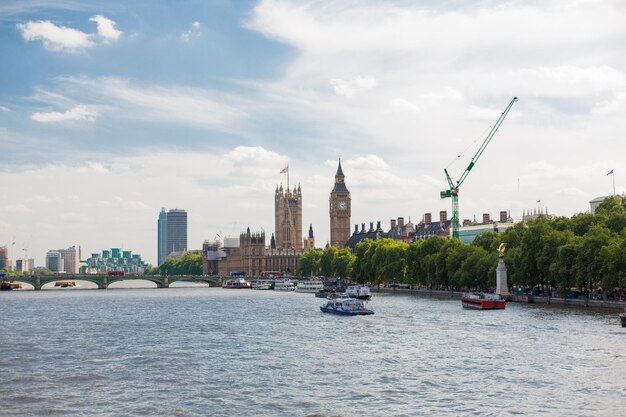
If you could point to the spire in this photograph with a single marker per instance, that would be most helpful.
(339, 170)
(311, 230)
(340, 185)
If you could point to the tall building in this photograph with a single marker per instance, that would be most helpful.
(340, 211)
(309, 242)
(4, 258)
(288, 217)
(54, 261)
(172, 233)
(70, 260)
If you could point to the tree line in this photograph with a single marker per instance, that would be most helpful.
(586, 252)
(189, 264)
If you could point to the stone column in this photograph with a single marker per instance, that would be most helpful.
(502, 286)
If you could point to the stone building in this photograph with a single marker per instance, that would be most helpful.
(428, 228)
(288, 217)
(340, 208)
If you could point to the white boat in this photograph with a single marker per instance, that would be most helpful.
(362, 292)
(284, 285)
(236, 283)
(263, 285)
(309, 286)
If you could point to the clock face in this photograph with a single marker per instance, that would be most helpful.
(342, 205)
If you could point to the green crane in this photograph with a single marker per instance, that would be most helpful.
(453, 191)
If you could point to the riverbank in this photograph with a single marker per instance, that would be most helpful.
(525, 299)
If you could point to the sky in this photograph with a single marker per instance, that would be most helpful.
(110, 110)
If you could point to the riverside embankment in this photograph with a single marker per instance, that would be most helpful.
(523, 299)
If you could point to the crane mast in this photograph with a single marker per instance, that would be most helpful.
(453, 190)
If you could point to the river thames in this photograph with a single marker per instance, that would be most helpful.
(199, 351)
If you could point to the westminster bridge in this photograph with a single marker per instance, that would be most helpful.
(103, 281)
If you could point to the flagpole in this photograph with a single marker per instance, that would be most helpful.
(613, 184)
(287, 176)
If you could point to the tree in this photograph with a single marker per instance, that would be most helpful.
(342, 263)
(310, 262)
(326, 262)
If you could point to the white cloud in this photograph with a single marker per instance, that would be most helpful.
(4, 109)
(193, 32)
(349, 88)
(66, 39)
(163, 104)
(106, 28)
(55, 38)
(77, 113)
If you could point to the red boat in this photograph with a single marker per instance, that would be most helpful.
(482, 301)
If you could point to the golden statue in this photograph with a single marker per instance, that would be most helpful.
(501, 249)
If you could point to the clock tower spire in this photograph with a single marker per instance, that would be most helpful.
(340, 210)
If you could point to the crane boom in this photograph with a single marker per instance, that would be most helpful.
(453, 191)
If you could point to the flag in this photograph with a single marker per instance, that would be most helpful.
(285, 170)
(610, 172)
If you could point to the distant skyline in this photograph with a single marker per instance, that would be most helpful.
(110, 110)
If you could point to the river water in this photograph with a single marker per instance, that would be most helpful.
(199, 351)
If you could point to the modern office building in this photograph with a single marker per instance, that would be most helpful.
(172, 233)
(4, 257)
(54, 261)
(115, 260)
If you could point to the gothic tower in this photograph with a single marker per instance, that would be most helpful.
(288, 216)
(340, 210)
(309, 243)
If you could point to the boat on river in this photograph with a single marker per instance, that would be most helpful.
(309, 286)
(346, 306)
(482, 301)
(65, 284)
(362, 292)
(284, 285)
(263, 285)
(238, 283)
(5, 286)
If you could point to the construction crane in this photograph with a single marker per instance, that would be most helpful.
(453, 191)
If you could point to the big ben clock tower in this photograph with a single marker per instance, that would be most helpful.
(340, 210)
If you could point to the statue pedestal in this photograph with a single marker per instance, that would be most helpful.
(502, 286)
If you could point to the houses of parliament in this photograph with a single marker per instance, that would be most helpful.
(250, 254)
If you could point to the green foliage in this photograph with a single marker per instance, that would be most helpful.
(310, 263)
(586, 251)
(189, 264)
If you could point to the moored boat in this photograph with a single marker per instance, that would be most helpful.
(65, 284)
(362, 292)
(482, 301)
(239, 283)
(309, 286)
(5, 286)
(263, 285)
(284, 285)
(347, 307)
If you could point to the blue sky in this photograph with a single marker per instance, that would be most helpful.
(111, 110)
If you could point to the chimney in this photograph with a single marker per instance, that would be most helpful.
(371, 226)
(443, 216)
(467, 222)
(400, 221)
(356, 228)
(503, 217)
(486, 218)
(362, 227)
(393, 223)
(427, 218)
(378, 225)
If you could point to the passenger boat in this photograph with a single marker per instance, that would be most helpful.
(5, 286)
(362, 292)
(622, 318)
(284, 285)
(239, 283)
(65, 284)
(309, 286)
(483, 301)
(347, 307)
(263, 285)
